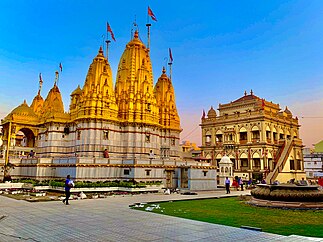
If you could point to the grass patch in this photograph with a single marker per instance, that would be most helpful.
(234, 212)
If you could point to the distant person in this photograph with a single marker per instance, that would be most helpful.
(303, 182)
(31, 154)
(263, 181)
(235, 184)
(240, 183)
(227, 185)
(68, 185)
(276, 182)
(106, 153)
(151, 155)
(249, 184)
(320, 183)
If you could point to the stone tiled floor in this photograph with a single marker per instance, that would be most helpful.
(110, 219)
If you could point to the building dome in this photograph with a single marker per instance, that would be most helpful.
(96, 98)
(225, 160)
(37, 104)
(53, 104)
(77, 91)
(165, 96)
(22, 112)
(135, 79)
(211, 113)
(288, 112)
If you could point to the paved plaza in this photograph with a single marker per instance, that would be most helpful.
(111, 219)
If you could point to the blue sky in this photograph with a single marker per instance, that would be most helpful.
(220, 49)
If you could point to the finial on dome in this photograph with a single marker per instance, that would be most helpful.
(101, 50)
(56, 78)
(164, 70)
(251, 92)
(25, 101)
(245, 93)
(136, 34)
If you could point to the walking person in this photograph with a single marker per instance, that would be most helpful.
(227, 184)
(68, 185)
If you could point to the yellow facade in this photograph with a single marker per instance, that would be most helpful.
(260, 139)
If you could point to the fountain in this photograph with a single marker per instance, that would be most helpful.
(287, 196)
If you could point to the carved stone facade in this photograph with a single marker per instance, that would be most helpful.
(135, 120)
(260, 139)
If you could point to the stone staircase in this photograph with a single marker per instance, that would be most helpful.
(280, 160)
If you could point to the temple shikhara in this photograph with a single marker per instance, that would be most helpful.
(256, 137)
(126, 131)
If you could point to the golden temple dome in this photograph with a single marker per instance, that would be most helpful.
(96, 98)
(37, 104)
(22, 112)
(165, 97)
(211, 113)
(77, 91)
(135, 79)
(53, 104)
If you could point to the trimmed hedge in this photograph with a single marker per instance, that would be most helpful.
(82, 184)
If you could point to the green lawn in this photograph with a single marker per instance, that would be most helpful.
(234, 212)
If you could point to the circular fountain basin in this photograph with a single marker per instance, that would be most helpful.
(287, 196)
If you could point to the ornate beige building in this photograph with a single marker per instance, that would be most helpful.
(135, 120)
(260, 139)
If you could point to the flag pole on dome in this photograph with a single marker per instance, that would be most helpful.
(56, 78)
(40, 83)
(170, 63)
(103, 42)
(109, 30)
(153, 17)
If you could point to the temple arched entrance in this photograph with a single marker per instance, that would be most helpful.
(25, 137)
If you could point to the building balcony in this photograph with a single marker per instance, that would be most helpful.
(229, 142)
(255, 140)
(244, 168)
(219, 143)
(256, 168)
(243, 141)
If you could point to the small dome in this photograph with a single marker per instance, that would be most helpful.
(289, 113)
(211, 113)
(225, 160)
(77, 91)
(23, 111)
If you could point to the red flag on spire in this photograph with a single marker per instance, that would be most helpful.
(170, 55)
(110, 31)
(151, 14)
(60, 67)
